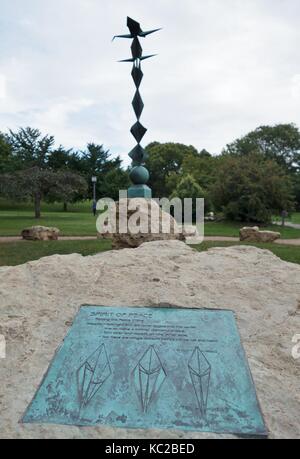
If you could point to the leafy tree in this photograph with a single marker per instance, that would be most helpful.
(115, 180)
(96, 161)
(189, 188)
(68, 187)
(68, 163)
(30, 148)
(164, 164)
(280, 143)
(6, 157)
(40, 172)
(202, 167)
(296, 189)
(251, 188)
(36, 184)
(59, 159)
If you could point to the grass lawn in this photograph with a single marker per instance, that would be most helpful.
(15, 253)
(296, 218)
(285, 252)
(6, 204)
(69, 223)
(78, 221)
(83, 223)
(293, 218)
(231, 229)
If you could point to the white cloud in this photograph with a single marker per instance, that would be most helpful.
(295, 87)
(2, 86)
(223, 69)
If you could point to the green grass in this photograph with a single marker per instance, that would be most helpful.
(79, 221)
(285, 252)
(12, 222)
(293, 218)
(69, 223)
(231, 229)
(16, 253)
(6, 204)
(296, 218)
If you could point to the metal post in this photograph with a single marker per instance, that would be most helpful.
(94, 181)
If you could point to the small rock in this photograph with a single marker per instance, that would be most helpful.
(40, 233)
(190, 231)
(253, 234)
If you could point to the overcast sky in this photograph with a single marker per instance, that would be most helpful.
(223, 68)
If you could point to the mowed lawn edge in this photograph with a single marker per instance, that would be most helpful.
(17, 253)
(84, 224)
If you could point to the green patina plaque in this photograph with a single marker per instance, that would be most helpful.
(151, 368)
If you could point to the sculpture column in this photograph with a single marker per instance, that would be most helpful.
(139, 175)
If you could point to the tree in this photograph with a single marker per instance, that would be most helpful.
(6, 156)
(30, 148)
(68, 187)
(59, 159)
(189, 188)
(36, 184)
(251, 188)
(164, 164)
(280, 143)
(30, 151)
(111, 177)
(68, 163)
(115, 180)
(202, 167)
(296, 189)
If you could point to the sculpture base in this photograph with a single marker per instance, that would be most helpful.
(139, 191)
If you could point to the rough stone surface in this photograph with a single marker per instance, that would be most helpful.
(190, 231)
(253, 234)
(40, 233)
(39, 300)
(150, 216)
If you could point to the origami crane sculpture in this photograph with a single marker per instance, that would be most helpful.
(139, 175)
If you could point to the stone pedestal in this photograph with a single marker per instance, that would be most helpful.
(139, 191)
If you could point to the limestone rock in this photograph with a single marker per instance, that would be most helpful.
(104, 236)
(152, 223)
(39, 301)
(40, 233)
(190, 231)
(253, 234)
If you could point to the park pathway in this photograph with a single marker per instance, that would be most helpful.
(8, 239)
(288, 225)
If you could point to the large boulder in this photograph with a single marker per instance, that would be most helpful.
(40, 233)
(253, 234)
(154, 223)
(39, 301)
